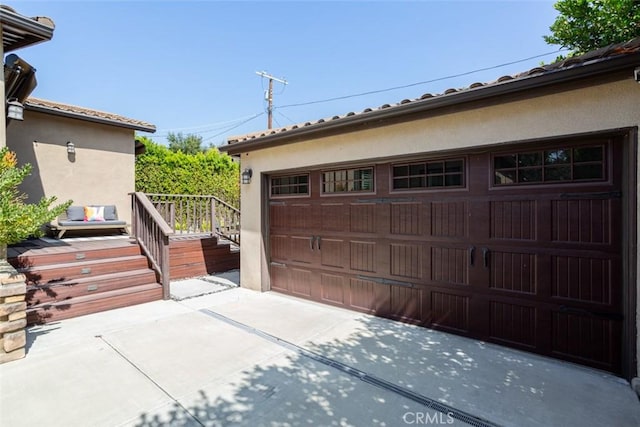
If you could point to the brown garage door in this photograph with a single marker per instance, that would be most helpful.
(518, 246)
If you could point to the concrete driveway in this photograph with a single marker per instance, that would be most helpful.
(243, 358)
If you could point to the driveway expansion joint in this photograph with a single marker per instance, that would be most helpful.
(148, 377)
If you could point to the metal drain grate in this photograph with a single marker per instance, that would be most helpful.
(357, 373)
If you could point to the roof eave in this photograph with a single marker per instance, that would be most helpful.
(38, 31)
(102, 120)
(315, 130)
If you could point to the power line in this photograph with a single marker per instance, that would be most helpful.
(233, 127)
(286, 117)
(214, 126)
(208, 125)
(421, 83)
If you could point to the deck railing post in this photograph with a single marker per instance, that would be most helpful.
(165, 266)
(172, 215)
(212, 204)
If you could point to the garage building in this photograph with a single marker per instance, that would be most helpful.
(505, 212)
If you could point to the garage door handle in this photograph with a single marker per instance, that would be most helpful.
(485, 257)
(472, 251)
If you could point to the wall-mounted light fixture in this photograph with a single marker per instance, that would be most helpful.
(246, 176)
(15, 109)
(71, 147)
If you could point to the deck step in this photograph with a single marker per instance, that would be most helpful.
(69, 289)
(51, 273)
(94, 303)
(87, 253)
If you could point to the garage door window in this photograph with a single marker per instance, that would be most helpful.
(348, 181)
(443, 173)
(293, 185)
(560, 165)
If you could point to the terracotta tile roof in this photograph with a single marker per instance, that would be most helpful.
(82, 113)
(599, 55)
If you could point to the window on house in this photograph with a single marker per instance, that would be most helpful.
(550, 166)
(433, 174)
(348, 180)
(290, 185)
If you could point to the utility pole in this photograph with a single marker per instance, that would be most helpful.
(269, 95)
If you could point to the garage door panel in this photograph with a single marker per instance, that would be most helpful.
(406, 304)
(334, 217)
(363, 256)
(449, 311)
(301, 249)
(513, 219)
(279, 277)
(333, 253)
(301, 216)
(586, 339)
(367, 296)
(449, 219)
(513, 272)
(363, 218)
(333, 289)
(279, 247)
(449, 265)
(406, 260)
(278, 215)
(301, 281)
(407, 219)
(514, 323)
(582, 279)
(581, 221)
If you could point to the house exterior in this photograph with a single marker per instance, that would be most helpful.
(101, 170)
(506, 212)
(74, 151)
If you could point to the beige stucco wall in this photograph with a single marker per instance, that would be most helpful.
(101, 172)
(596, 108)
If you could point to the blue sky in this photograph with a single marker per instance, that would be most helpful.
(189, 66)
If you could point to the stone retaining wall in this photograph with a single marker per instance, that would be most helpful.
(13, 315)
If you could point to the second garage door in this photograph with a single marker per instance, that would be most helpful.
(519, 246)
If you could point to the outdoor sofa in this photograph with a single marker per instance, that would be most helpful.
(87, 218)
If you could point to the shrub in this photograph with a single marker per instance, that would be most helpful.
(20, 220)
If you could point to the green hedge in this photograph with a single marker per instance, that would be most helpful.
(160, 170)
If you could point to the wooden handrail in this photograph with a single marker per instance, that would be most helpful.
(152, 234)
